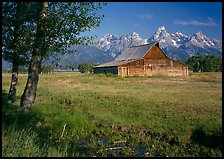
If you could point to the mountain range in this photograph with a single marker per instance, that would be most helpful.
(175, 46)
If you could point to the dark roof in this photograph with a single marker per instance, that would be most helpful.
(114, 63)
(130, 54)
(135, 52)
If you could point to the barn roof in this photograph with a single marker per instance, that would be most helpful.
(135, 52)
(114, 63)
(130, 54)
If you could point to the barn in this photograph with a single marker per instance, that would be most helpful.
(143, 60)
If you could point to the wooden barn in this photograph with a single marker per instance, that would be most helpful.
(143, 60)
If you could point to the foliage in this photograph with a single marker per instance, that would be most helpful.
(72, 66)
(23, 69)
(205, 63)
(54, 27)
(85, 67)
(66, 21)
(25, 28)
(47, 69)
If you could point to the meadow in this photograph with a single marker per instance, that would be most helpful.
(105, 115)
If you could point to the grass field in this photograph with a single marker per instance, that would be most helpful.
(104, 115)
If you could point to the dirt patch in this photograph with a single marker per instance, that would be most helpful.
(153, 81)
(165, 81)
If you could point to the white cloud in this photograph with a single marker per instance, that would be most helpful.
(209, 18)
(144, 16)
(196, 23)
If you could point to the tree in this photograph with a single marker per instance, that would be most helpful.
(85, 67)
(203, 63)
(17, 38)
(58, 26)
(46, 69)
(23, 69)
(15, 65)
(71, 66)
(193, 63)
(218, 66)
(29, 94)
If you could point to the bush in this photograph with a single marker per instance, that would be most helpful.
(23, 69)
(85, 67)
(47, 69)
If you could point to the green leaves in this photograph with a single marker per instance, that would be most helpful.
(205, 63)
(18, 30)
(65, 21)
(85, 67)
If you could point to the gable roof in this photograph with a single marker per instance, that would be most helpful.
(130, 54)
(114, 63)
(135, 52)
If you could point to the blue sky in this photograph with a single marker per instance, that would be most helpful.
(123, 18)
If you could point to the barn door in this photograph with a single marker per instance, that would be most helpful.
(124, 71)
(149, 71)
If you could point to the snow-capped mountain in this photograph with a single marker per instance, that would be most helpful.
(114, 45)
(199, 39)
(176, 45)
(163, 37)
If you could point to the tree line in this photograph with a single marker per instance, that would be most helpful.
(32, 31)
(204, 63)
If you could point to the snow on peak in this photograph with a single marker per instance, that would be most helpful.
(134, 33)
(199, 33)
(179, 33)
(161, 33)
(115, 44)
(161, 28)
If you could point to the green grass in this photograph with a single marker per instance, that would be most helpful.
(137, 116)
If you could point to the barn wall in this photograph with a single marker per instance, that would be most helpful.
(166, 71)
(163, 67)
(175, 71)
(158, 64)
(105, 70)
(135, 68)
(155, 53)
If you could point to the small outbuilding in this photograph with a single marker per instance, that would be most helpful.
(143, 60)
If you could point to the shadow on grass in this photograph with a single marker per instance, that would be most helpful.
(209, 140)
(19, 121)
(12, 117)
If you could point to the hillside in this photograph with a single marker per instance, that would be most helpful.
(84, 53)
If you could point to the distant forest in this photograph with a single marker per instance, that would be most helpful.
(205, 63)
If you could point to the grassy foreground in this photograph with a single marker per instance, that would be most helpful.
(103, 115)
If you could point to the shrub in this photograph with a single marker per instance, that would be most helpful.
(47, 69)
(85, 67)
